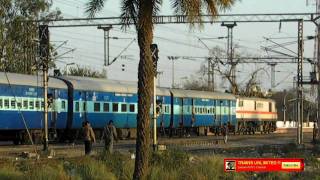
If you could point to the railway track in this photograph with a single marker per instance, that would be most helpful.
(196, 145)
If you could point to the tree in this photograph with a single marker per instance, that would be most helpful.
(141, 12)
(84, 72)
(225, 68)
(19, 33)
(251, 88)
(289, 98)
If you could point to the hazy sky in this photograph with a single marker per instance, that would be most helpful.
(179, 40)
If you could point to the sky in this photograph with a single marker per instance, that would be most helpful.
(180, 40)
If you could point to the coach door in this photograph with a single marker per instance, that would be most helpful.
(181, 117)
(55, 106)
(193, 113)
(220, 112)
(124, 112)
(82, 106)
(229, 111)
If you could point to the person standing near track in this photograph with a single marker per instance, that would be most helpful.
(110, 134)
(225, 131)
(89, 137)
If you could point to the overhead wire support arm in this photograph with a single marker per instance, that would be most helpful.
(182, 19)
(114, 59)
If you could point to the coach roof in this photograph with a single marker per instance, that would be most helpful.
(30, 80)
(202, 94)
(103, 85)
(106, 85)
(255, 98)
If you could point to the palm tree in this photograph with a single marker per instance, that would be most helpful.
(140, 12)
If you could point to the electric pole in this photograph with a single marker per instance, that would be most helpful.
(172, 58)
(159, 73)
(106, 39)
(44, 59)
(318, 67)
(300, 84)
(155, 58)
(230, 52)
(210, 74)
(273, 75)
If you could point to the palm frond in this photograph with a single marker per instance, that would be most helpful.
(211, 7)
(129, 13)
(156, 7)
(178, 6)
(225, 4)
(94, 6)
(193, 9)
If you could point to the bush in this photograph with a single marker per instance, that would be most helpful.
(92, 169)
(9, 172)
(122, 166)
(170, 159)
(48, 172)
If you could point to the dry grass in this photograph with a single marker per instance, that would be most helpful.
(168, 165)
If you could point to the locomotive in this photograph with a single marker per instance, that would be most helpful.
(73, 100)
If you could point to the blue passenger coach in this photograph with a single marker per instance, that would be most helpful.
(203, 110)
(101, 100)
(78, 99)
(21, 106)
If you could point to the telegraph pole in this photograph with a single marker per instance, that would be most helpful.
(300, 84)
(210, 74)
(318, 80)
(106, 38)
(44, 58)
(230, 51)
(159, 73)
(318, 68)
(172, 58)
(155, 58)
(273, 75)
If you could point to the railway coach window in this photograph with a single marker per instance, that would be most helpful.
(259, 105)
(25, 104)
(84, 107)
(123, 107)
(167, 109)
(13, 104)
(6, 103)
(37, 105)
(132, 108)
(115, 107)
(31, 105)
(19, 104)
(270, 107)
(240, 103)
(63, 105)
(1, 104)
(77, 108)
(96, 107)
(106, 107)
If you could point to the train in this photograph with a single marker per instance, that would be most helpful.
(73, 100)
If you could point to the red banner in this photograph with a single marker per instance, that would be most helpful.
(263, 164)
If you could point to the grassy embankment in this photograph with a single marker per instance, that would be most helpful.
(173, 164)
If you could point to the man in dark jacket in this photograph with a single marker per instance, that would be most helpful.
(110, 134)
(89, 137)
(225, 132)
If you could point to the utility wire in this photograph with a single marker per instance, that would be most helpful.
(19, 110)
